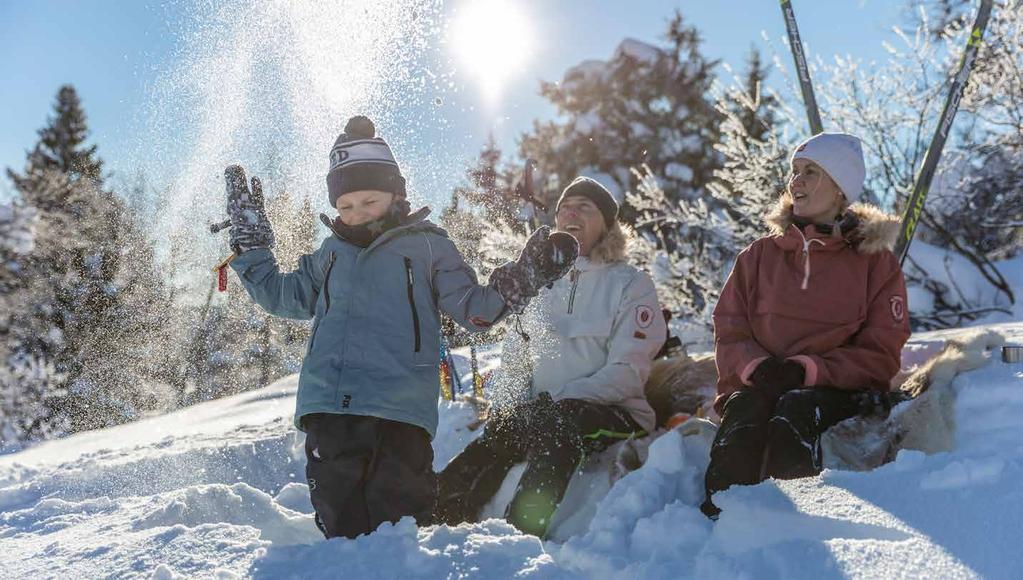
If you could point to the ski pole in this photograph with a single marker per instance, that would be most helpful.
(813, 114)
(915, 203)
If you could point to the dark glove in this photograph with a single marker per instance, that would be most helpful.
(874, 404)
(545, 258)
(250, 228)
(774, 377)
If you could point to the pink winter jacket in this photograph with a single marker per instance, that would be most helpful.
(839, 310)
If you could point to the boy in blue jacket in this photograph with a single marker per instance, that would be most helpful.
(367, 393)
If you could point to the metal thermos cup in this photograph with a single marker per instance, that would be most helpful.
(1012, 353)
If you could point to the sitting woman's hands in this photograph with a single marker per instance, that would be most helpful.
(775, 376)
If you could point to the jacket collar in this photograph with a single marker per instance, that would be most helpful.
(584, 264)
(876, 232)
(415, 221)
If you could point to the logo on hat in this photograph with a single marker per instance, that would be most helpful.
(337, 156)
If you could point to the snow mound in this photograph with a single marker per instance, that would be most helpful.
(492, 549)
(217, 490)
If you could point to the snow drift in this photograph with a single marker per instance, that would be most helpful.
(217, 490)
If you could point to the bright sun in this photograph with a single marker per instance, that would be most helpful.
(493, 39)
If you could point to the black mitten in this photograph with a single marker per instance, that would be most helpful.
(250, 228)
(545, 258)
(774, 377)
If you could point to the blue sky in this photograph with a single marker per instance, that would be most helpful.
(114, 53)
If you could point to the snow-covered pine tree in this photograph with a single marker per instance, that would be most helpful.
(712, 228)
(29, 383)
(646, 105)
(754, 146)
(492, 188)
(486, 221)
(61, 145)
(751, 102)
(99, 300)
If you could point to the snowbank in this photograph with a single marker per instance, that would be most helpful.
(217, 490)
(965, 286)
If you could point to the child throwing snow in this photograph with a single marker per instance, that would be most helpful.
(367, 395)
(811, 322)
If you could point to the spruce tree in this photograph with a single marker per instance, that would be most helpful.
(756, 107)
(62, 147)
(93, 299)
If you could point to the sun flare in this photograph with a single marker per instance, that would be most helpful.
(493, 40)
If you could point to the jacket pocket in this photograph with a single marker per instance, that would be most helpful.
(410, 288)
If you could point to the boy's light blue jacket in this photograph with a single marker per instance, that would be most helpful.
(375, 343)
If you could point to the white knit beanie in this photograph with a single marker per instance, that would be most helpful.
(840, 155)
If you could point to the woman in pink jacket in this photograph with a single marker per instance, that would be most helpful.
(811, 322)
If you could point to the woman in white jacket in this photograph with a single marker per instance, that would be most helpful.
(593, 336)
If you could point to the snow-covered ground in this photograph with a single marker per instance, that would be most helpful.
(217, 490)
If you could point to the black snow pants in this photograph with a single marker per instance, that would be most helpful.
(759, 438)
(553, 437)
(363, 471)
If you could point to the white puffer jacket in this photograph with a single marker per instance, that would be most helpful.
(593, 337)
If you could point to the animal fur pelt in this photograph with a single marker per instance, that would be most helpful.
(925, 422)
(681, 384)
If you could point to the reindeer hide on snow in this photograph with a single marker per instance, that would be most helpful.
(925, 422)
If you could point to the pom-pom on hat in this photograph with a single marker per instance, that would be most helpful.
(840, 155)
(360, 160)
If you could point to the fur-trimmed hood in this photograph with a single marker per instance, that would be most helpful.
(611, 248)
(876, 230)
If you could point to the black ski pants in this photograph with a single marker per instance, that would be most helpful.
(363, 471)
(760, 438)
(553, 437)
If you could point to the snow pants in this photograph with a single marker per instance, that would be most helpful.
(363, 471)
(553, 437)
(759, 438)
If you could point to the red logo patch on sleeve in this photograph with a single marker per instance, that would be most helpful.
(644, 316)
(898, 308)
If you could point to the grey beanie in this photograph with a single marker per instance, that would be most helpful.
(360, 160)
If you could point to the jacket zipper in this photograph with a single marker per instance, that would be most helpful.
(573, 276)
(326, 296)
(410, 280)
(326, 283)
